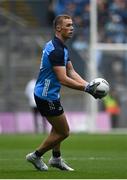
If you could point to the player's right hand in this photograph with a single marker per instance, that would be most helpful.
(91, 88)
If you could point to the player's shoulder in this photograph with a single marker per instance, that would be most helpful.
(55, 46)
(49, 46)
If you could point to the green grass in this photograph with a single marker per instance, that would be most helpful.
(92, 156)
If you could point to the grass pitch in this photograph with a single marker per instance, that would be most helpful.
(93, 156)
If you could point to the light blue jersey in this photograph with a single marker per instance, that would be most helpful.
(48, 86)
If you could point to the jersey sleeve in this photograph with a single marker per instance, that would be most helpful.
(56, 58)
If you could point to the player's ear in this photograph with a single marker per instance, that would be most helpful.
(58, 28)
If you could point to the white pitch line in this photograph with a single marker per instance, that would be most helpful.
(75, 159)
(97, 158)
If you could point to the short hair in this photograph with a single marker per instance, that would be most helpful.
(58, 19)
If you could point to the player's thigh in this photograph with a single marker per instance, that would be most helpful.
(59, 123)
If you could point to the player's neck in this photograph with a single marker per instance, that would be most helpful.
(61, 38)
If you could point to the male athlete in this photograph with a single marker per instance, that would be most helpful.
(56, 69)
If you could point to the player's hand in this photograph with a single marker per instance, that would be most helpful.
(99, 94)
(91, 88)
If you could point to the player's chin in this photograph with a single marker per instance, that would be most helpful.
(70, 35)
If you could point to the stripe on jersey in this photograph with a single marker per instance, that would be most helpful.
(46, 87)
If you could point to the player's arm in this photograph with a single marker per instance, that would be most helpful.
(61, 74)
(89, 87)
(56, 58)
(73, 74)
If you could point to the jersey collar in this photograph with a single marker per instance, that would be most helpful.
(59, 42)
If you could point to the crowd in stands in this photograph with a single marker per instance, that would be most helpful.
(112, 18)
(111, 14)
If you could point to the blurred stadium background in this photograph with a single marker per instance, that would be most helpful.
(97, 49)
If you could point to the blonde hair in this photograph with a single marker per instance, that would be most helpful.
(58, 19)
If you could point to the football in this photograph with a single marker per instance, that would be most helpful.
(103, 86)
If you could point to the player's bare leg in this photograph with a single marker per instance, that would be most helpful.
(59, 131)
(56, 160)
(35, 157)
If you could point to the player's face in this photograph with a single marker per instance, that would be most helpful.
(67, 28)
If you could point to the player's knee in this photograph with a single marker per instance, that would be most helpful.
(65, 134)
